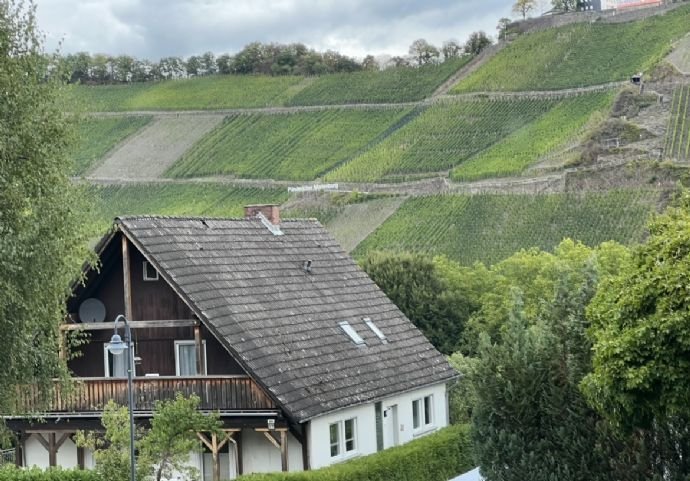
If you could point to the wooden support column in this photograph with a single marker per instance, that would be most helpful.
(200, 354)
(240, 466)
(20, 449)
(80, 452)
(279, 442)
(305, 447)
(127, 278)
(215, 446)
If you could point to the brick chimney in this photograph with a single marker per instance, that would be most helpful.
(270, 211)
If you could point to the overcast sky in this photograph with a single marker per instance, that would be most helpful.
(157, 28)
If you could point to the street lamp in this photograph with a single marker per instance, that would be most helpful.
(116, 348)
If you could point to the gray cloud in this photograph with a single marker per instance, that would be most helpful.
(159, 28)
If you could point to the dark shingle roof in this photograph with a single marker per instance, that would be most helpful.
(281, 323)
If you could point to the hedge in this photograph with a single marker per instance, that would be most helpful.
(11, 473)
(436, 457)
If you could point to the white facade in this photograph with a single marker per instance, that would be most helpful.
(398, 420)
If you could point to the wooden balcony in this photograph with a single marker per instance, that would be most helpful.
(89, 395)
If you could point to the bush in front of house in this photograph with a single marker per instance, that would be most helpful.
(436, 457)
(12, 473)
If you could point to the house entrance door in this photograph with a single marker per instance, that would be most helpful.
(390, 426)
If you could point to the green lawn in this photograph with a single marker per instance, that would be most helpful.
(489, 228)
(441, 137)
(207, 93)
(562, 124)
(579, 55)
(97, 136)
(403, 84)
(298, 146)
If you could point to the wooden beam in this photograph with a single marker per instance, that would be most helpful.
(43, 441)
(199, 351)
(216, 457)
(103, 326)
(127, 278)
(305, 448)
(240, 466)
(52, 450)
(283, 451)
(272, 439)
(80, 457)
(61, 441)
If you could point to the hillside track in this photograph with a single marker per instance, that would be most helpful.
(156, 147)
(476, 63)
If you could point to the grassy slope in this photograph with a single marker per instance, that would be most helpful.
(564, 123)
(391, 85)
(208, 93)
(298, 146)
(212, 200)
(442, 137)
(98, 136)
(579, 55)
(489, 228)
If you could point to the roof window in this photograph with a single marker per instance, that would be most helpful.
(374, 328)
(352, 334)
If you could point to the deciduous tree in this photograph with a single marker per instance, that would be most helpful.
(524, 7)
(43, 230)
(477, 42)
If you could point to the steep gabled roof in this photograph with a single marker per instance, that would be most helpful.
(250, 288)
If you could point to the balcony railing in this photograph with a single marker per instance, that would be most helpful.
(89, 395)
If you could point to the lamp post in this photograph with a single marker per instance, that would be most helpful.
(116, 348)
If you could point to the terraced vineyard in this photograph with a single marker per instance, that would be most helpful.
(442, 137)
(489, 228)
(677, 144)
(98, 136)
(512, 155)
(207, 93)
(579, 55)
(212, 200)
(387, 86)
(299, 146)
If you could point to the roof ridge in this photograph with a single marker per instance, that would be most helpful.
(214, 218)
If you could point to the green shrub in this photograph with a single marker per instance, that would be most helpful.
(437, 457)
(11, 473)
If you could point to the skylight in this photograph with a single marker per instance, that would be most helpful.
(374, 328)
(352, 334)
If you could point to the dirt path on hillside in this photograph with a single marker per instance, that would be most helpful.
(156, 147)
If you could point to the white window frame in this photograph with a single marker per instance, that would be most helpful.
(342, 441)
(351, 333)
(187, 342)
(375, 329)
(106, 360)
(418, 409)
(146, 275)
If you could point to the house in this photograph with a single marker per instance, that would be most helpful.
(270, 323)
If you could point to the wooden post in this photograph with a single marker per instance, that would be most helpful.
(52, 450)
(305, 448)
(214, 446)
(127, 278)
(240, 467)
(200, 361)
(20, 449)
(283, 451)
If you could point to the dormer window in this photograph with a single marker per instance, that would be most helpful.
(351, 333)
(374, 328)
(150, 272)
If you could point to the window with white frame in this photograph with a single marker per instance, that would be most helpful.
(150, 272)
(116, 365)
(185, 358)
(343, 437)
(423, 412)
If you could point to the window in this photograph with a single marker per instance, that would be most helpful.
(350, 331)
(343, 437)
(185, 358)
(116, 366)
(150, 272)
(423, 412)
(374, 328)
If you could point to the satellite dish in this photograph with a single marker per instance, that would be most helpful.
(92, 310)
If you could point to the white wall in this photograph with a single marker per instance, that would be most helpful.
(260, 456)
(319, 434)
(37, 455)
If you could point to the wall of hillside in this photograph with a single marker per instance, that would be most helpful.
(608, 16)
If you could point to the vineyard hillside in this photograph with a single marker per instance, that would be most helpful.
(677, 146)
(579, 55)
(489, 228)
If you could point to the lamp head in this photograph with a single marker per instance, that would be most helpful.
(116, 346)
